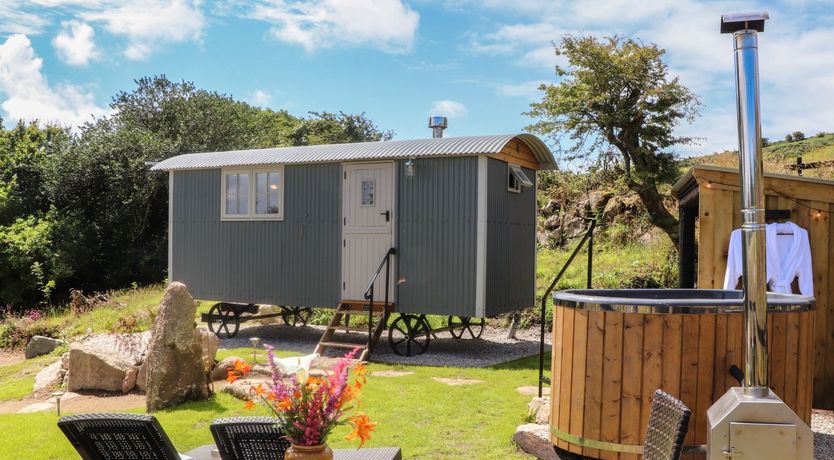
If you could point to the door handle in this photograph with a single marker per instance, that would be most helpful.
(387, 215)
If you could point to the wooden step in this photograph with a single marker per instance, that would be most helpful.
(362, 306)
(342, 345)
(349, 328)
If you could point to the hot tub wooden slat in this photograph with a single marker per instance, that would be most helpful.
(719, 380)
(778, 348)
(791, 362)
(612, 381)
(706, 364)
(689, 369)
(671, 376)
(556, 365)
(609, 363)
(577, 409)
(593, 379)
(652, 362)
(567, 368)
(632, 375)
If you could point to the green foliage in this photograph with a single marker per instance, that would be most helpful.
(341, 128)
(798, 136)
(615, 96)
(84, 210)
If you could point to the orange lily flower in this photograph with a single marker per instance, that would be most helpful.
(362, 428)
(285, 404)
(231, 377)
(259, 390)
(249, 405)
(242, 367)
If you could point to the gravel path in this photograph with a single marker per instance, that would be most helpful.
(822, 423)
(492, 348)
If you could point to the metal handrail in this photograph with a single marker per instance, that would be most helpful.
(369, 295)
(589, 237)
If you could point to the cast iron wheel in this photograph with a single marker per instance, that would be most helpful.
(413, 335)
(296, 316)
(225, 320)
(464, 325)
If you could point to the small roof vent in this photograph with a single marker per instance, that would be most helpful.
(437, 125)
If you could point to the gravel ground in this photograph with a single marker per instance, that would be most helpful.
(492, 348)
(822, 423)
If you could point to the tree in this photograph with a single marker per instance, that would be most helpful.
(798, 136)
(765, 142)
(616, 94)
(788, 138)
(341, 128)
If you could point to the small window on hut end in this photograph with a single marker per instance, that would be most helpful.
(516, 178)
(253, 194)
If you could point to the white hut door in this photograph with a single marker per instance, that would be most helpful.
(368, 218)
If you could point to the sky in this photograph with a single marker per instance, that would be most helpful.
(478, 62)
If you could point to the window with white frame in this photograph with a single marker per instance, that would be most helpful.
(253, 193)
(517, 178)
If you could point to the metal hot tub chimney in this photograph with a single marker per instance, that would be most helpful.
(752, 422)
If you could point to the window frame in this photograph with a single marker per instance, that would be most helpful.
(513, 174)
(252, 197)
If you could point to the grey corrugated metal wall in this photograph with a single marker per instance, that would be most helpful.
(511, 242)
(436, 236)
(296, 261)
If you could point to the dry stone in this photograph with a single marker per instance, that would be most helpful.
(210, 344)
(40, 345)
(221, 370)
(175, 371)
(535, 440)
(100, 361)
(129, 381)
(269, 310)
(49, 377)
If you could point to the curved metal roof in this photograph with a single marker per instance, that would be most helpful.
(332, 153)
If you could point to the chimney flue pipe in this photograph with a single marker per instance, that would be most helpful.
(745, 29)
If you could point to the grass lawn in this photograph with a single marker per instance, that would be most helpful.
(16, 380)
(426, 418)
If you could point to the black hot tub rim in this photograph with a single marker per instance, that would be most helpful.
(674, 301)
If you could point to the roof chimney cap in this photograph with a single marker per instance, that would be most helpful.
(437, 125)
(733, 22)
(438, 122)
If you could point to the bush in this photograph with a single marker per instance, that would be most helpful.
(16, 331)
(798, 135)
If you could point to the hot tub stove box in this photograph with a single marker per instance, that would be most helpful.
(760, 428)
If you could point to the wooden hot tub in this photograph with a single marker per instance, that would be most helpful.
(613, 348)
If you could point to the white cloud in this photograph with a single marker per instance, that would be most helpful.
(75, 43)
(260, 98)
(149, 24)
(388, 25)
(526, 89)
(796, 56)
(447, 108)
(29, 96)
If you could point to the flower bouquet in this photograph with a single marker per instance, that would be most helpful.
(308, 407)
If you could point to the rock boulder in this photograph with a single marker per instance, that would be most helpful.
(101, 361)
(40, 345)
(174, 366)
(269, 310)
(535, 440)
(209, 344)
(49, 377)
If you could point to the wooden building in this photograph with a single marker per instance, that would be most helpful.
(710, 208)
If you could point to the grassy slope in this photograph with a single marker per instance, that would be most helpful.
(780, 154)
(16, 380)
(427, 419)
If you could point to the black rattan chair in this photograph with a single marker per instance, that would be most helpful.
(118, 436)
(249, 438)
(668, 424)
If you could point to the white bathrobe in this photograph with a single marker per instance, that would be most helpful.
(788, 257)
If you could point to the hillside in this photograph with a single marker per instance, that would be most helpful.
(778, 155)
